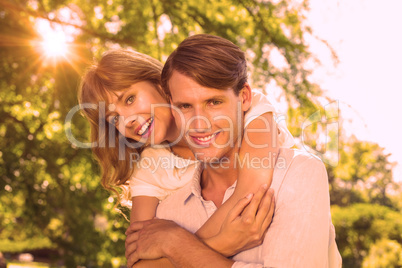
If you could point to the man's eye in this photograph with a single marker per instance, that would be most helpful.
(130, 99)
(215, 102)
(184, 106)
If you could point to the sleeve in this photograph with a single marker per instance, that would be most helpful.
(299, 233)
(159, 173)
(148, 177)
(260, 105)
(140, 187)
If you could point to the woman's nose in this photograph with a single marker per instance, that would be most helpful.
(127, 116)
(130, 121)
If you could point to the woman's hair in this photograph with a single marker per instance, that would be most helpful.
(117, 70)
(211, 61)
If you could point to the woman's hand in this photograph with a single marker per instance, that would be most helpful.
(246, 224)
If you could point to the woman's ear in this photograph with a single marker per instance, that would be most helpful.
(246, 97)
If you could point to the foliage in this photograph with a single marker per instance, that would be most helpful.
(361, 228)
(364, 174)
(384, 253)
(28, 244)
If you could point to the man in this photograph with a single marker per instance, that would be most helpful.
(207, 93)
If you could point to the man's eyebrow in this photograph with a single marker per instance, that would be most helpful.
(178, 103)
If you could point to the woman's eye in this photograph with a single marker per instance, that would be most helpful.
(130, 100)
(113, 120)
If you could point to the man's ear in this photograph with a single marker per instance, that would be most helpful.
(246, 97)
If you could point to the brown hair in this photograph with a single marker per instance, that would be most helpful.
(209, 60)
(117, 70)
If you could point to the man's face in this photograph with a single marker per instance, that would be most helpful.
(210, 118)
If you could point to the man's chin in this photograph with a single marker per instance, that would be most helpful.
(207, 156)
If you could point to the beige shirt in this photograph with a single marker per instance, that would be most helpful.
(301, 233)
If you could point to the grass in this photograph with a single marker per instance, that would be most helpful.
(15, 264)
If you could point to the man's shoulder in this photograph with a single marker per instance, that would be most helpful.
(304, 173)
(296, 157)
(298, 165)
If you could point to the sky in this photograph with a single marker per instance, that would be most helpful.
(367, 37)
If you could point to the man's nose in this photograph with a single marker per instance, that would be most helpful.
(200, 121)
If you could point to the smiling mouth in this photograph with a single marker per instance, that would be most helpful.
(204, 140)
(145, 127)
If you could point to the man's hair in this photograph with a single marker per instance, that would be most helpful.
(209, 60)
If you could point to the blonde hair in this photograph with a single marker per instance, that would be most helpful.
(117, 70)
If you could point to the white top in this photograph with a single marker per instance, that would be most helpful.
(301, 233)
(160, 173)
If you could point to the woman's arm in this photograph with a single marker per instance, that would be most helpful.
(257, 157)
(144, 208)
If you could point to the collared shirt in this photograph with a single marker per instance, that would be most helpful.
(301, 233)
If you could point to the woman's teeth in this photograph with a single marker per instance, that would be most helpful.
(145, 126)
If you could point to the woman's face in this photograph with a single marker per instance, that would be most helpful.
(140, 113)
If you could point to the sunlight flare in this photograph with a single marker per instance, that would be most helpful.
(54, 40)
(54, 44)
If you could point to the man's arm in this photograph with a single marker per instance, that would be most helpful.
(246, 222)
(162, 238)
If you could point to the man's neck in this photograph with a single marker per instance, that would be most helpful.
(217, 178)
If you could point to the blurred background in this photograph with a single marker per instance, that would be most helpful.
(332, 67)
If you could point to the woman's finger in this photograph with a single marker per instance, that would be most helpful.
(250, 211)
(268, 219)
(264, 206)
(239, 207)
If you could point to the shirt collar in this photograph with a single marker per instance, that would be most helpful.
(194, 187)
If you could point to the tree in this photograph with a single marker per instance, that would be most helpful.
(362, 228)
(364, 174)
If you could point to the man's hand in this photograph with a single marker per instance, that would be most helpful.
(246, 224)
(150, 239)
